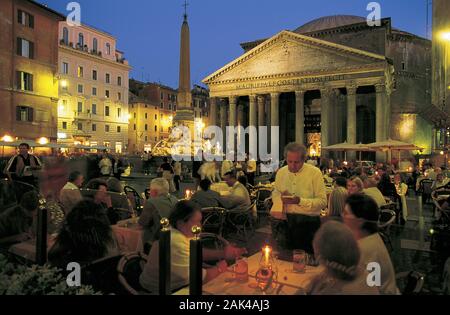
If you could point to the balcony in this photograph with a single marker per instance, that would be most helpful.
(82, 116)
(92, 52)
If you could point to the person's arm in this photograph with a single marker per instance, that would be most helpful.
(146, 218)
(18, 238)
(212, 273)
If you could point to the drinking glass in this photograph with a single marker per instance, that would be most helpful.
(240, 270)
(299, 261)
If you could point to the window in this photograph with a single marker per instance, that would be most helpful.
(81, 40)
(25, 48)
(80, 72)
(94, 45)
(134, 115)
(170, 106)
(403, 66)
(156, 138)
(24, 113)
(24, 81)
(66, 36)
(65, 68)
(94, 109)
(119, 96)
(146, 116)
(118, 129)
(80, 107)
(146, 138)
(106, 128)
(119, 81)
(162, 105)
(64, 125)
(80, 88)
(94, 75)
(146, 127)
(106, 110)
(108, 49)
(156, 117)
(94, 91)
(119, 112)
(25, 19)
(134, 127)
(94, 127)
(174, 107)
(156, 128)
(108, 78)
(80, 126)
(107, 93)
(162, 95)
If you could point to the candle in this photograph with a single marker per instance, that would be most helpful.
(188, 194)
(267, 250)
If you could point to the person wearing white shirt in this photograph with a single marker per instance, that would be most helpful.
(299, 196)
(70, 195)
(251, 171)
(239, 198)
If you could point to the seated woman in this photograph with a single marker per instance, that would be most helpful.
(184, 216)
(85, 237)
(119, 199)
(355, 185)
(97, 191)
(337, 250)
(361, 216)
(336, 203)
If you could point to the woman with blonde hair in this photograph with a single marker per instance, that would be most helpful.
(355, 185)
(336, 203)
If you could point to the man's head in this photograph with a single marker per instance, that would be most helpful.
(24, 148)
(159, 187)
(100, 187)
(439, 177)
(230, 178)
(184, 216)
(340, 182)
(30, 201)
(205, 184)
(295, 155)
(361, 213)
(76, 178)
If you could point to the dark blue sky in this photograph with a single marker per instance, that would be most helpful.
(148, 31)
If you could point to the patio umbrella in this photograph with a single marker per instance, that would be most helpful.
(345, 147)
(390, 145)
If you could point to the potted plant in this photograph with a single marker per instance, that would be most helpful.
(36, 280)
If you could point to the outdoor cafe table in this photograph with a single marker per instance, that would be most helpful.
(288, 282)
(128, 235)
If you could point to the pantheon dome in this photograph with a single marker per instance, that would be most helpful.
(329, 22)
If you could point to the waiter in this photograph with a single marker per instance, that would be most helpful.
(298, 197)
(21, 166)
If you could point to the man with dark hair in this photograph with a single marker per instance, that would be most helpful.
(361, 215)
(299, 196)
(70, 195)
(340, 182)
(205, 197)
(21, 166)
(239, 198)
(99, 194)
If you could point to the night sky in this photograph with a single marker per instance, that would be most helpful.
(148, 31)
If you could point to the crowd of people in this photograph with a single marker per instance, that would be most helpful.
(338, 224)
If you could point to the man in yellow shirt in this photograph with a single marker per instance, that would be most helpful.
(299, 196)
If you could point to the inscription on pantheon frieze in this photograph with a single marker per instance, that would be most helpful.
(283, 82)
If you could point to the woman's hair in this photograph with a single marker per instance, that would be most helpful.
(114, 185)
(364, 207)
(94, 184)
(85, 235)
(183, 211)
(358, 182)
(337, 249)
(337, 200)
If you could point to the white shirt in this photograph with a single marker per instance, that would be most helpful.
(251, 166)
(376, 195)
(307, 184)
(179, 254)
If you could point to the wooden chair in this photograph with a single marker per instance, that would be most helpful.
(385, 221)
(130, 268)
(241, 222)
(412, 282)
(213, 220)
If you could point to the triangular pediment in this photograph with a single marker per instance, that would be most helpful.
(291, 53)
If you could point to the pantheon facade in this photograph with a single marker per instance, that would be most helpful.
(332, 80)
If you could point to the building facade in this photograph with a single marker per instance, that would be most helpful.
(29, 70)
(200, 104)
(332, 80)
(94, 76)
(152, 108)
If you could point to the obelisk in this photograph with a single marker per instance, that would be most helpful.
(185, 115)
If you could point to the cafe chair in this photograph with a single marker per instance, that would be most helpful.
(129, 269)
(412, 282)
(135, 199)
(213, 220)
(385, 221)
(102, 275)
(262, 197)
(425, 190)
(241, 222)
(438, 201)
(213, 242)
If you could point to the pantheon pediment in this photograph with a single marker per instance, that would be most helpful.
(288, 54)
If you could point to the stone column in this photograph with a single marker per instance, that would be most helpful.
(351, 119)
(253, 122)
(274, 115)
(261, 110)
(223, 115)
(300, 117)
(325, 118)
(213, 111)
(380, 113)
(233, 104)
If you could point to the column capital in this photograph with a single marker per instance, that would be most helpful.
(351, 89)
(326, 91)
(233, 99)
(275, 94)
(261, 99)
(380, 88)
(253, 98)
(299, 93)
